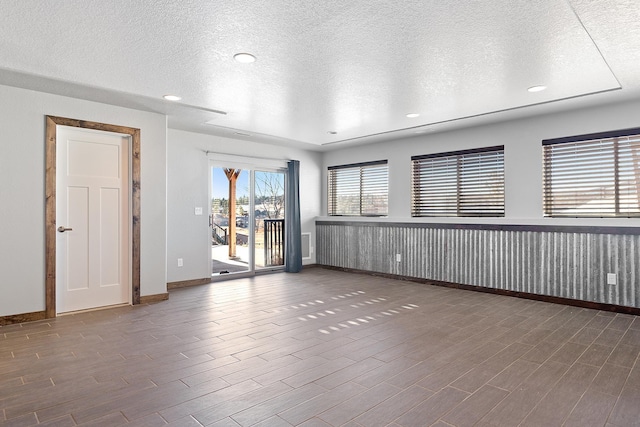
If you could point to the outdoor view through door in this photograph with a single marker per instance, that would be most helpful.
(247, 220)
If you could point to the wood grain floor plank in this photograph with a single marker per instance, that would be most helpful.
(245, 401)
(267, 410)
(321, 348)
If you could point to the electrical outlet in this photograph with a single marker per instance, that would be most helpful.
(198, 211)
(398, 258)
(180, 263)
(612, 279)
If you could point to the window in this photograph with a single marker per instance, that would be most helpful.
(595, 175)
(458, 183)
(359, 189)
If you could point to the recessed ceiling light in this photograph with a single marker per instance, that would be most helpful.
(172, 98)
(244, 58)
(413, 115)
(539, 88)
(332, 132)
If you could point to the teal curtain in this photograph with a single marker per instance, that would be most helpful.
(293, 233)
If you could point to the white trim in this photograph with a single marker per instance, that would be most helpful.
(246, 162)
(252, 217)
(309, 245)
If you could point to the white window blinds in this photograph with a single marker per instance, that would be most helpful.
(595, 175)
(359, 189)
(459, 183)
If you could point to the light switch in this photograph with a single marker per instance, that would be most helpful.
(198, 211)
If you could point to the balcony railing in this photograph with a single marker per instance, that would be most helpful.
(219, 234)
(273, 242)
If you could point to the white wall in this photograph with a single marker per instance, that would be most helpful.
(188, 179)
(22, 201)
(171, 230)
(523, 162)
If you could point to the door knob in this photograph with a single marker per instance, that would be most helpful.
(62, 229)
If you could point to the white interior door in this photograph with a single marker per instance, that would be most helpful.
(92, 211)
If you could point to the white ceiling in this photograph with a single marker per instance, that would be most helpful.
(355, 68)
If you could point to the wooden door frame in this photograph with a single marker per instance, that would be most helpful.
(50, 205)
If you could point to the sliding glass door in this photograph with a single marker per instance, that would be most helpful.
(246, 220)
(269, 220)
(230, 237)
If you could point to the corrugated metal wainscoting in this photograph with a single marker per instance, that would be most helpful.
(568, 262)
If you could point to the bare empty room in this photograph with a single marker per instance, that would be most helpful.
(365, 213)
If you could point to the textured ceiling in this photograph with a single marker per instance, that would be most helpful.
(355, 68)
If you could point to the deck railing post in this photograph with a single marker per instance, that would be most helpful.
(273, 242)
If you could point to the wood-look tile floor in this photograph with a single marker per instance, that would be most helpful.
(324, 348)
